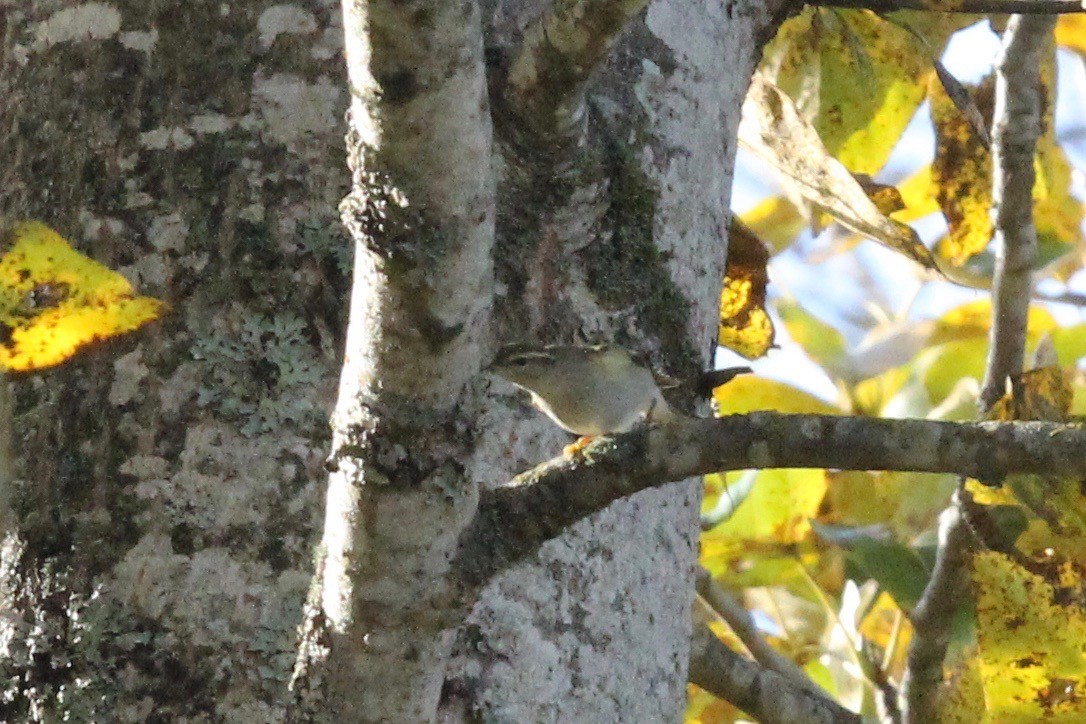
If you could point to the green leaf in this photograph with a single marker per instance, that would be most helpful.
(897, 568)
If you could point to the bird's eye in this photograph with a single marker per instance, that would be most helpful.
(518, 362)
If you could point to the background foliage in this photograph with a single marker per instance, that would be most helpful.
(831, 563)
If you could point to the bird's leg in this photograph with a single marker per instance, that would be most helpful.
(575, 448)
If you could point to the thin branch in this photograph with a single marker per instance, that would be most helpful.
(932, 619)
(1016, 126)
(971, 7)
(1067, 296)
(765, 695)
(514, 519)
(1017, 123)
(558, 53)
(1076, 299)
(886, 691)
(742, 624)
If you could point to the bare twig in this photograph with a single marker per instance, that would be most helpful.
(1076, 299)
(886, 691)
(514, 519)
(766, 695)
(971, 7)
(1067, 296)
(1017, 123)
(1016, 126)
(932, 619)
(742, 624)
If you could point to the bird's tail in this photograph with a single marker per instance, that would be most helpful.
(711, 379)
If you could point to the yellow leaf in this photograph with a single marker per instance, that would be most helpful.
(907, 503)
(1032, 648)
(1057, 213)
(775, 221)
(1056, 524)
(861, 119)
(857, 77)
(820, 674)
(1043, 393)
(766, 540)
(822, 342)
(859, 497)
(885, 625)
(1070, 344)
(55, 301)
(886, 198)
(755, 337)
(1055, 528)
(870, 396)
(944, 363)
(918, 194)
(745, 326)
(778, 509)
(962, 174)
(773, 128)
(748, 393)
(974, 319)
(1071, 32)
(704, 708)
(989, 495)
(941, 366)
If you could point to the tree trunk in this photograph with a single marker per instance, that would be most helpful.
(597, 626)
(168, 485)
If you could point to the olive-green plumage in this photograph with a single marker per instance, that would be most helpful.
(586, 390)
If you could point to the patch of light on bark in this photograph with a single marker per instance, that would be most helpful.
(10, 551)
(87, 21)
(811, 429)
(279, 19)
(363, 86)
(339, 545)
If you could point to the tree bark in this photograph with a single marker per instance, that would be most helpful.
(422, 214)
(611, 227)
(167, 485)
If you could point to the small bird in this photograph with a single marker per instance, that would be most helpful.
(595, 390)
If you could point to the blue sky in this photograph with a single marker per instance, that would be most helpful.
(892, 287)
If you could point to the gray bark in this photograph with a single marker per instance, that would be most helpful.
(167, 485)
(422, 213)
(636, 255)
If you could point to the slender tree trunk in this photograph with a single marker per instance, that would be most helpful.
(402, 484)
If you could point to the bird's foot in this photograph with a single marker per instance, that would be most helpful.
(575, 448)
